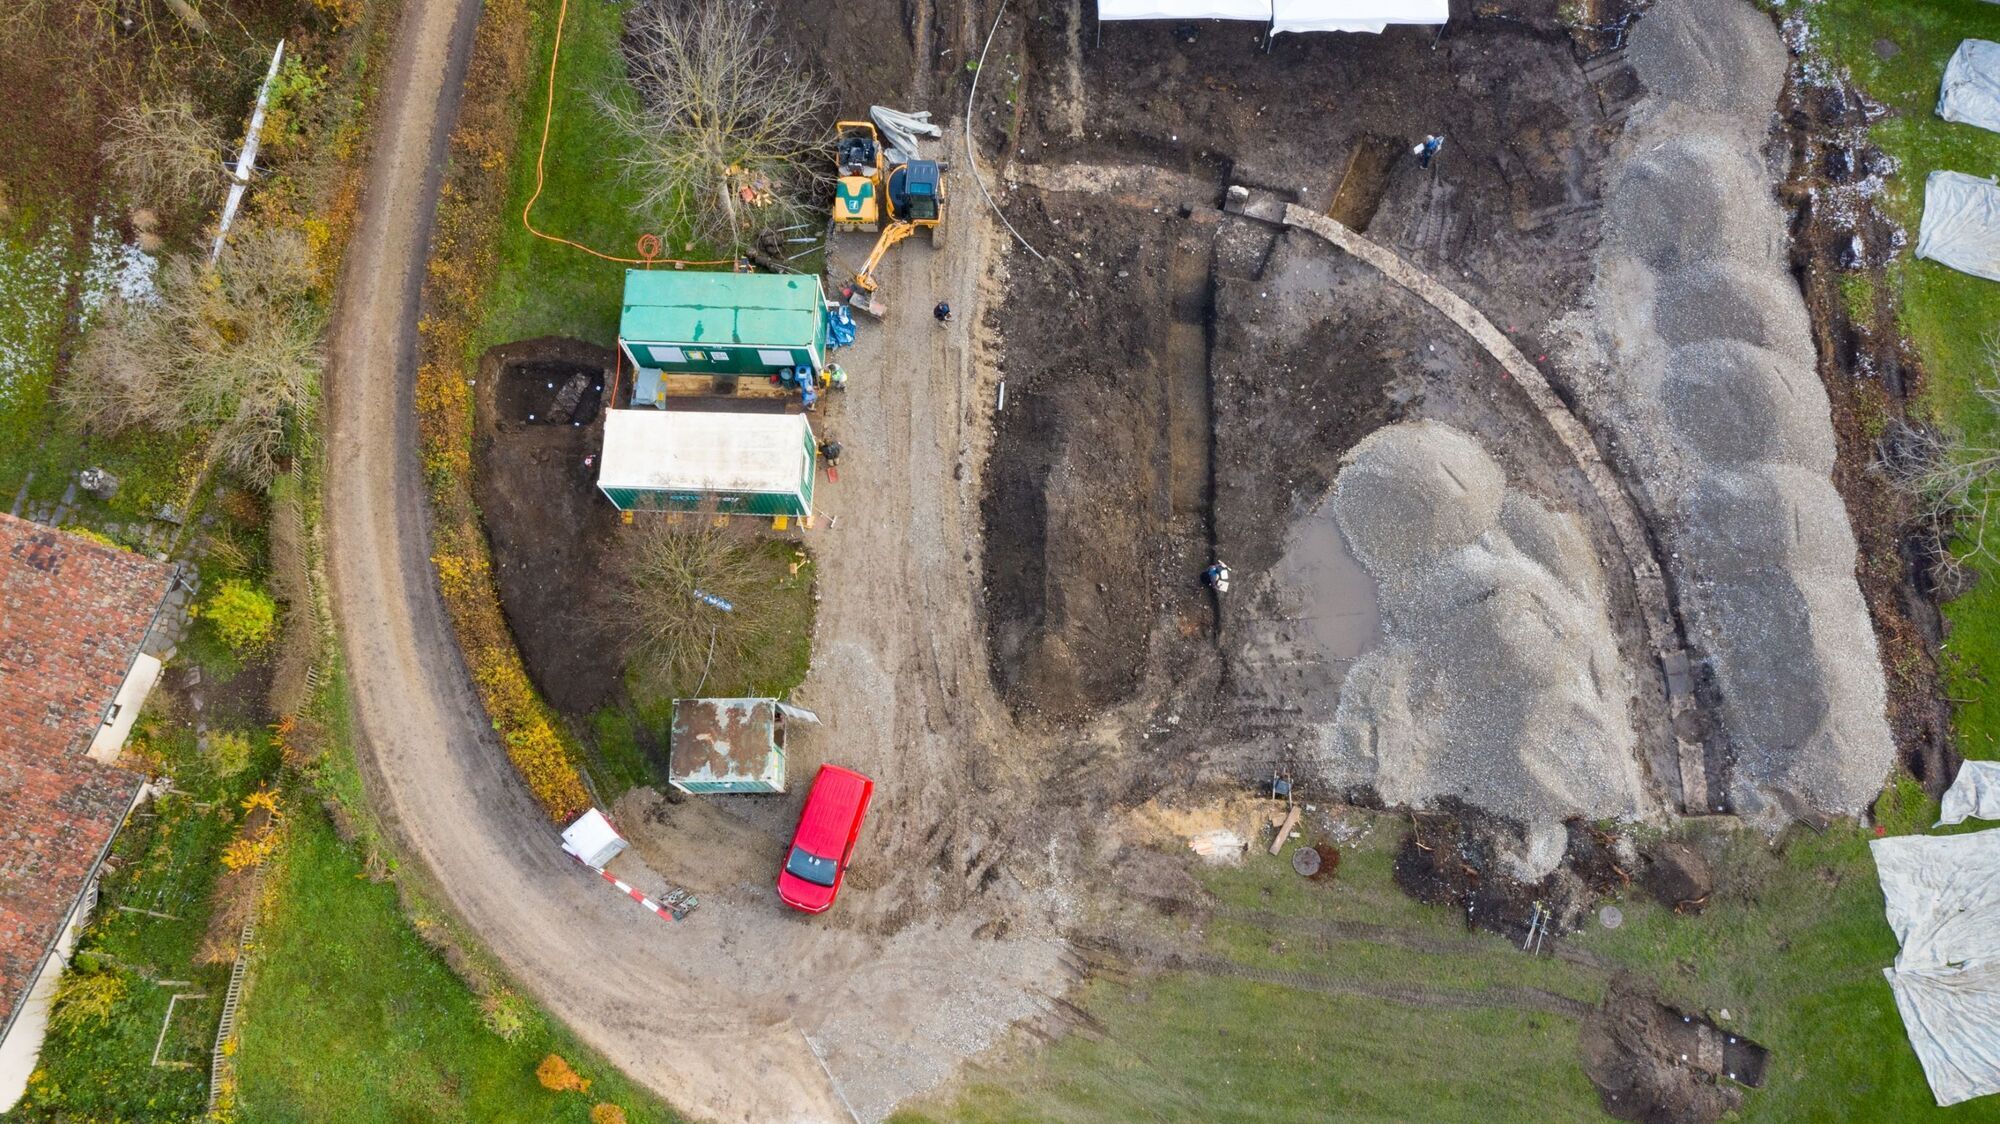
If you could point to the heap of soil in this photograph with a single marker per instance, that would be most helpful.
(1655, 1064)
(1457, 858)
(1678, 877)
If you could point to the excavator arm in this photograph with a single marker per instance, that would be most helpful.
(893, 233)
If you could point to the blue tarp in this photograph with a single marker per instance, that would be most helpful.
(839, 326)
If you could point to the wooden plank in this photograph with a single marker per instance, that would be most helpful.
(1285, 828)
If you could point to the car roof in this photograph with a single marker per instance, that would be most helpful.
(836, 795)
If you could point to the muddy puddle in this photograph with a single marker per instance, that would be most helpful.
(1338, 609)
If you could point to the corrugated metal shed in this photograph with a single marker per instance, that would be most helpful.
(727, 745)
(692, 460)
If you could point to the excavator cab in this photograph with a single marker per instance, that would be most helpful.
(913, 191)
(858, 186)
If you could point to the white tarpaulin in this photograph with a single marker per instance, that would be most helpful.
(1971, 89)
(592, 839)
(1259, 10)
(1943, 902)
(1975, 794)
(1355, 15)
(1961, 226)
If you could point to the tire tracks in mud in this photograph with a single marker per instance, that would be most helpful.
(1129, 947)
(1357, 984)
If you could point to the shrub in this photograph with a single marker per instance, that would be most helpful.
(556, 1076)
(232, 351)
(241, 614)
(167, 154)
(229, 752)
(504, 1013)
(607, 1114)
(87, 996)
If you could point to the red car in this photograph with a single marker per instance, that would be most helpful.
(828, 827)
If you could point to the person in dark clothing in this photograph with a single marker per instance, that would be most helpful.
(1216, 577)
(1427, 150)
(942, 312)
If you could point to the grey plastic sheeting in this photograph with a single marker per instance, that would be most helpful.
(1961, 226)
(1975, 794)
(1970, 92)
(1943, 901)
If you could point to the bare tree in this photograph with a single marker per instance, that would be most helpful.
(233, 351)
(166, 153)
(728, 132)
(1954, 481)
(680, 637)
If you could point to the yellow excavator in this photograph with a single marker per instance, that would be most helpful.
(872, 196)
(916, 201)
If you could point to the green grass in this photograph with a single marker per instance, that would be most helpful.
(545, 288)
(1793, 945)
(1949, 316)
(355, 1018)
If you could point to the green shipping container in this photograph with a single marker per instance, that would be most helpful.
(728, 463)
(719, 324)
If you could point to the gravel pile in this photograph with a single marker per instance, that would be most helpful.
(1498, 681)
(1699, 355)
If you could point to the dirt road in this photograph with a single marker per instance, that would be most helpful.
(723, 1014)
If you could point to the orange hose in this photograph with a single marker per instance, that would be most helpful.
(548, 114)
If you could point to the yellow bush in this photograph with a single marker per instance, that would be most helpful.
(87, 996)
(257, 840)
(249, 852)
(607, 1114)
(556, 1076)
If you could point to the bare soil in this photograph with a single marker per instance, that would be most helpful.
(1457, 858)
(554, 539)
(1678, 877)
(1655, 1064)
(1182, 383)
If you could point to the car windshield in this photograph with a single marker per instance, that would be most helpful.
(804, 864)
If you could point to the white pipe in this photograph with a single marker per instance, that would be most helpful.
(972, 156)
(246, 158)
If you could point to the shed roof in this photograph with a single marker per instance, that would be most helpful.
(721, 739)
(73, 614)
(676, 306)
(704, 451)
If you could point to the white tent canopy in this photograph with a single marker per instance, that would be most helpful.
(1961, 225)
(1259, 10)
(1285, 15)
(1355, 15)
(1970, 92)
(593, 840)
(1943, 901)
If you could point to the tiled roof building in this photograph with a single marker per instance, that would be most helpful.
(73, 617)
